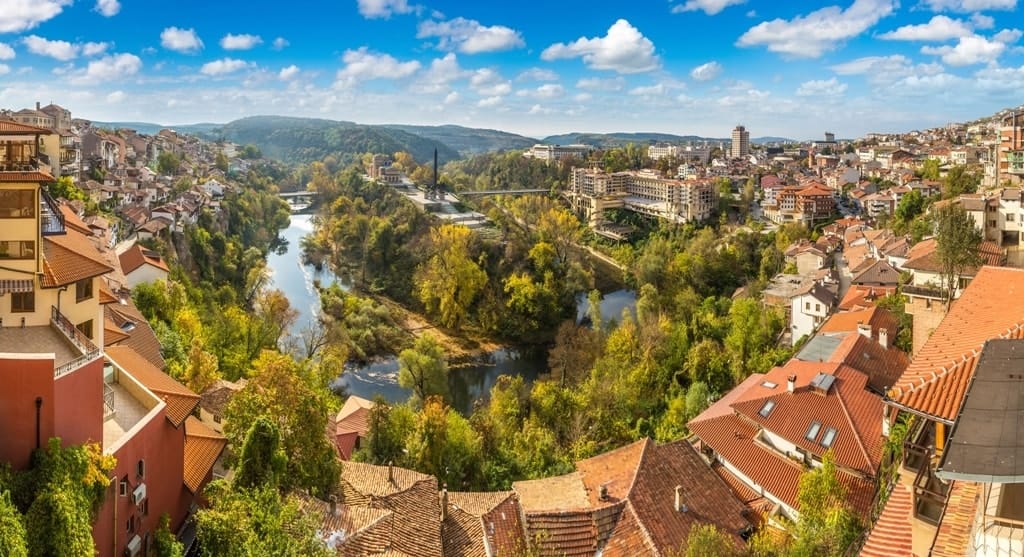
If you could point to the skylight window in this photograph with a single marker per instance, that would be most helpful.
(769, 385)
(812, 432)
(829, 437)
(767, 408)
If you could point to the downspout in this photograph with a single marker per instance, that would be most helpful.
(114, 526)
(39, 406)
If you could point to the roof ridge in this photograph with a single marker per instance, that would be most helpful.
(640, 523)
(853, 426)
(639, 464)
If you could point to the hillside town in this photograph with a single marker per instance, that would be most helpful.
(900, 373)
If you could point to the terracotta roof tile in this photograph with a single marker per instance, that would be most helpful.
(847, 321)
(141, 337)
(216, 397)
(954, 533)
(616, 470)
(137, 256)
(880, 273)
(112, 334)
(203, 447)
(892, 535)
(883, 366)
(353, 415)
(11, 127)
(570, 533)
(181, 401)
(992, 306)
(21, 177)
(71, 219)
(863, 297)
(552, 494)
(628, 539)
(350, 530)
(69, 258)
(476, 521)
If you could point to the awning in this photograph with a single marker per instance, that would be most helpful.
(16, 285)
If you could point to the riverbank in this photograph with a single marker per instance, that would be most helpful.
(460, 349)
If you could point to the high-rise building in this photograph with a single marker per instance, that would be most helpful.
(740, 143)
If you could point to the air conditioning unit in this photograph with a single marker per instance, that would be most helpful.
(139, 495)
(134, 547)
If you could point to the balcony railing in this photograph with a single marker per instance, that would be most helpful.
(51, 219)
(75, 337)
(108, 402)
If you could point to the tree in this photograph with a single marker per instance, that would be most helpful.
(262, 461)
(424, 369)
(957, 246)
(826, 525)
(12, 531)
(387, 429)
(164, 541)
(65, 188)
(959, 180)
(574, 352)
(450, 280)
(168, 163)
(930, 169)
(705, 540)
(911, 205)
(221, 161)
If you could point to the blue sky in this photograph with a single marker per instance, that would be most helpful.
(793, 68)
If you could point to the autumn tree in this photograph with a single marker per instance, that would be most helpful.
(449, 281)
(262, 462)
(957, 245)
(388, 427)
(424, 369)
(168, 163)
(12, 530)
(706, 540)
(164, 541)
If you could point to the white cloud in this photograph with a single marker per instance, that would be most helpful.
(109, 68)
(537, 74)
(280, 43)
(811, 35)
(710, 7)
(489, 83)
(1007, 36)
(240, 42)
(58, 50)
(108, 8)
(623, 49)
(223, 66)
(538, 109)
(939, 28)
(22, 15)
(656, 90)
(289, 73)
(982, 21)
(116, 97)
(546, 91)
(821, 88)
(441, 73)
(885, 71)
(582, 97)
(489, 102)
(6, 52)
(598, 84)
(363, 65)
(375, 9)
(706, 72)
(4, 69)
(969, 5)
(180, 40)
(974, 49)
(95, 49)
(451, 98)
(469, 36)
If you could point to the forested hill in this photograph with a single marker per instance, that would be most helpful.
(469, 141)
(620, 139)
(309, 139)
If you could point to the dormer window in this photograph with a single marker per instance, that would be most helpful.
(829, 437)
(812, 431)
(769, 405)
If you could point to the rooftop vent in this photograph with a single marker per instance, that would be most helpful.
(822, 382)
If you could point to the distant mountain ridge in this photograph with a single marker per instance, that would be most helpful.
(469, 141)
(149, 128)
(618, 139)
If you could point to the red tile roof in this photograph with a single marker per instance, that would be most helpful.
(353, 415)
(11, 127)
(954, 534)
(883, 366)
(476, 521)
(137, 256)
(181, 401)
(847, 321)
(203, 447)
(863, 297)
(23, 177)
(71, 219)
(892, 535)
(141, 337)
(69, 258)
(935, 382)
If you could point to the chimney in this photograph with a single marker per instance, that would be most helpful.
(603, 492)
(334, 505)
(883, 337)
(791, 383)
(391, 471)
(680, 500)
(863, 329)
(444, 502)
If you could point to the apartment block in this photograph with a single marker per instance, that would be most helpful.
(646, 192)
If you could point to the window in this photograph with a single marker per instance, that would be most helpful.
(85, 328)
(216, 418)
(807, 305)
(817, 307)
(829, 437)
(17, 204)
(769, 405)
(992, 224)
(130, 525)
(1009, 217)
(122, 488)
(23, 302)
(17, 249)
(140, 468)
(812, 432)
(83, 289)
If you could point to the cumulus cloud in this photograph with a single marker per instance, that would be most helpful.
(538, 109)
(180, 40)
(489, 83)
(116, 97)
(441, 72)
(109, 68)
(363, 65)
(974, 49)
(1007, 36)
(623, 49)
(6, 52)
(22, 15)
(58, 50)
(710, 7)
(982, 21)
(280, 43)
(489, 102)
(546, 91)
(598, 84)
(108, 8)
(289, 73)
(240, 42)
(223, 66)
(811, 35)
(821, 88)
(655, 90)
(95, 49)
(939, 28)
(886, 69)
(470, 36)
(537, 74)
(706, 72)
(383, 9)
(969, 5)
(451, 98)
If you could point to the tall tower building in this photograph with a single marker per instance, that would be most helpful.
(740, 142)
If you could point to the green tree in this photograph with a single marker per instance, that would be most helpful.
(930, 169)
(65, 188)
(262, 461)
(911, 205)
(221, 161)
(959, 180)
(826, 525)
(957, 245)
(168, 163)
(424, 369)
(12, 531)
(388, 427)
(164, 541)
(705, 540)
(449, 281)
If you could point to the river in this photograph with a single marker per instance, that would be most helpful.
(467, 383)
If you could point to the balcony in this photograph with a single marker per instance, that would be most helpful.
(51, 219)
(87, 350)
(999, 523)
